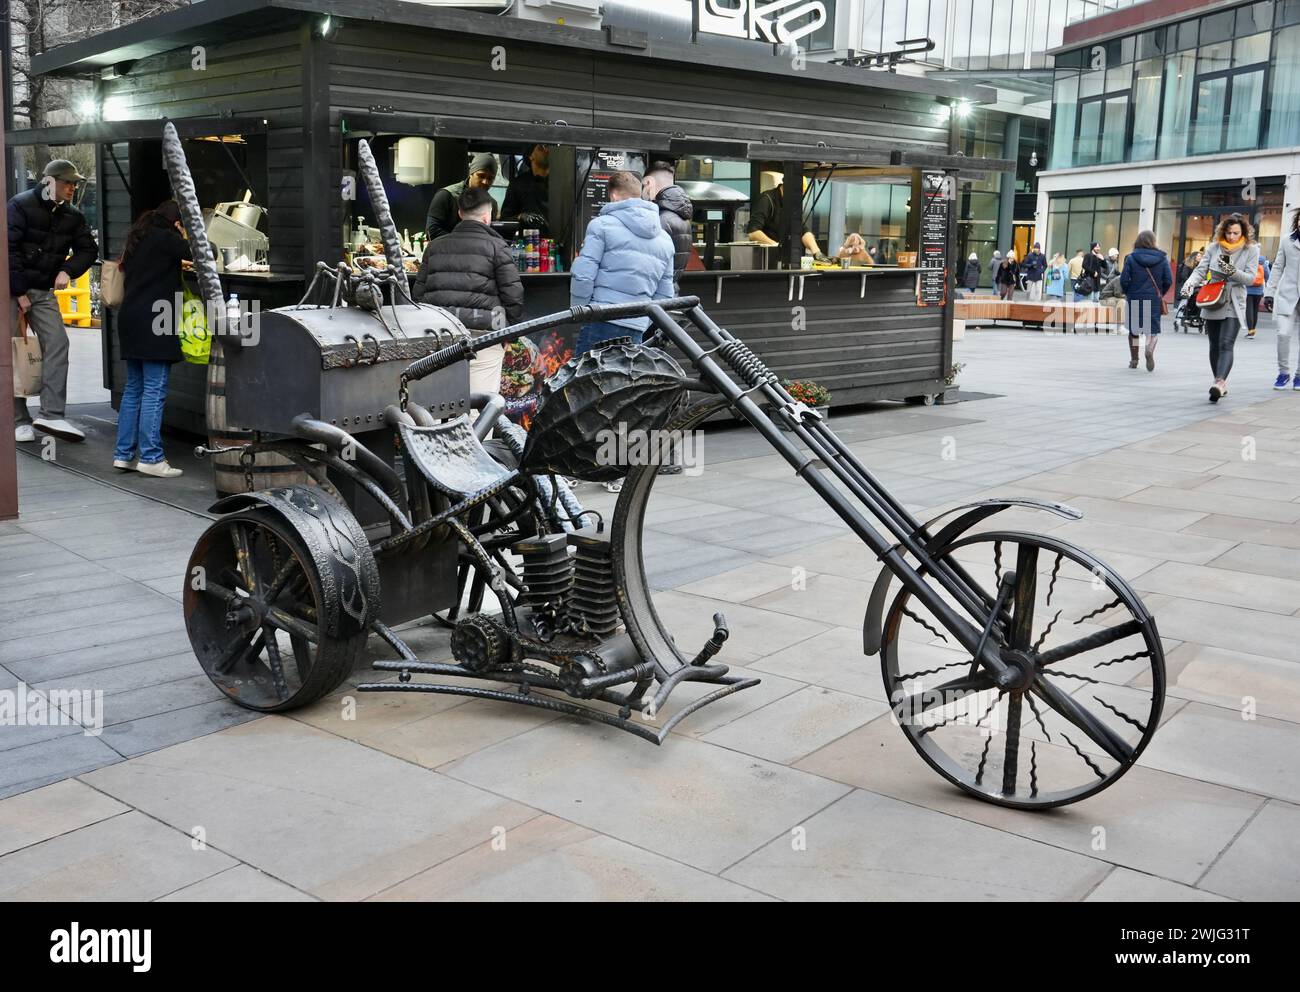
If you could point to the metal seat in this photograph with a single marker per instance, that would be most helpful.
(453, 459)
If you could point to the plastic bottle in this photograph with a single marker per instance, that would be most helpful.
(234, 319)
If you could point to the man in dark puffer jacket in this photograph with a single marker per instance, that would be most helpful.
(472, 273)
(43, 227)
(675, 212)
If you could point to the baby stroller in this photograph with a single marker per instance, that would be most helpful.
(1188, 316)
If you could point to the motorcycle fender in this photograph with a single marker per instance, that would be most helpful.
(338, 547)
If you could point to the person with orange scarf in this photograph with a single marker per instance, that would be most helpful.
(1228, 266)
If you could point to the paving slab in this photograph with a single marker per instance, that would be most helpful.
(124, 858)
(238, 884)
(690, 801)
(56, 809)
(798, 724)
(549, 859)
(1125, 885)
(1138, 822)
(259, 789)
(35, 765)
(1217, 745)
(1233, 680)
(870, 848)
(1264, 862)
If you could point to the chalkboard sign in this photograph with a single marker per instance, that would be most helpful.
(932, 260)
(596, 170)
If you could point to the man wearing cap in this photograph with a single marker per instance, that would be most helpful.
(1033, 268)
(49, 246)
(444, 213)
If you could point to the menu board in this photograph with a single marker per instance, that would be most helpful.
(596, 170)
(932, 260)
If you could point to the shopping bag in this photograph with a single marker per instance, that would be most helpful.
(196, 342)
(27, 361)
(112, 284)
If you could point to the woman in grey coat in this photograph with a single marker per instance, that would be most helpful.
(1232, 257)
(1284, 287)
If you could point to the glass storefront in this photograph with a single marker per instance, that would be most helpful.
(1076, 221)
(1186, 218)
(1218, 83)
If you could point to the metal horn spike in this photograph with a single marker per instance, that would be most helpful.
(178, 171)
(379, 200)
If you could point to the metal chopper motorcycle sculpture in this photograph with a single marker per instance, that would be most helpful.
(1020, 667)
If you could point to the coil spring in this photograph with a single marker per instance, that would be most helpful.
(745, 363)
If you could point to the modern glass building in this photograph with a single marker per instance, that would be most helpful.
(1167, 115)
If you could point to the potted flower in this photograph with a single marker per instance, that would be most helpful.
(810, 394)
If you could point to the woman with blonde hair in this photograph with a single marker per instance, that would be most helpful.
(1228, 266)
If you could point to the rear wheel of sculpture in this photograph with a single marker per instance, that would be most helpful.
(253, 599)
(1093, 686)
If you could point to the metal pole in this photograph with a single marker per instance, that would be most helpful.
(8, 448)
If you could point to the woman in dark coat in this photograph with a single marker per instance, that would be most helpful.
(1008, 276)
(970, 278)
(1145, 280)
(147, 325)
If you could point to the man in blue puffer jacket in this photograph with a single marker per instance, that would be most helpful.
(626, 258)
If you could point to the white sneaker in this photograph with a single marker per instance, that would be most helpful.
(24, 432)
(613, 487)
(124, 466)
(160, 470)
(60, 428)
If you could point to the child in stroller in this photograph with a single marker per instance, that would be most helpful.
(1188, 316)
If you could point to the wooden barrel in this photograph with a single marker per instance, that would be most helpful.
(270, 471)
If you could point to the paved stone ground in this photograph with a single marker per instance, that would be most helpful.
(405, 800)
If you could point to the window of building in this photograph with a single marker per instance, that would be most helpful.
(1199, 87)
(1074, 222)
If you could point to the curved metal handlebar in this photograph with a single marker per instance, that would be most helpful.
(464, 350)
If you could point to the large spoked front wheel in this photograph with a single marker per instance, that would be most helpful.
(1094, 676)
(254, 600)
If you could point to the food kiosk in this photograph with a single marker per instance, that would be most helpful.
(272, 95)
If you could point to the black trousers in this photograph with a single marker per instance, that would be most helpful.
(1223, 335)
(1252, 311)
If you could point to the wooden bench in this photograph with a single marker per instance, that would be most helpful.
(1064, 317)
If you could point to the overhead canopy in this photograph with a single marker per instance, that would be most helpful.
(224, 20)
(93, 132)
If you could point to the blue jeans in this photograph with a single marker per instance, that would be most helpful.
(592, 335)
(139, 420)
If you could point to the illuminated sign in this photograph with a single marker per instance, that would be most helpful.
(777, 21)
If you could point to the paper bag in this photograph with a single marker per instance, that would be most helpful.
(27, 361)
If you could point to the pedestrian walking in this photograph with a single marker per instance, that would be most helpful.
(50, 245)
(1145, 279)
(995, 263)
(1284, 288)
(970, 277)
(1054, 283)
(1093, 274)
(1255, 296)
(472, 273)
(148, 332)
(1228, 266)
(675, 212)
(1008, 275)
(1033, 269)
